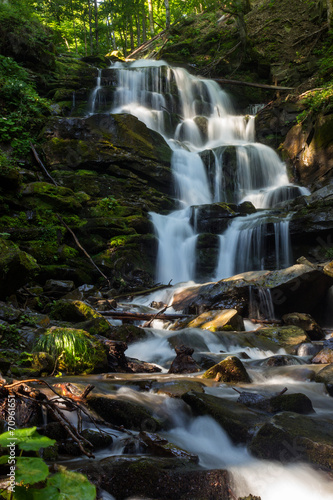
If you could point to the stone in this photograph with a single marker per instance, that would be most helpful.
(324, 356)
(184, 363)
(43, 361)
(307, 323)
(218, 320)
(235, 418)
(160, 447)
(131, 415)
(287, 337)
(290, 437)
(59, 287)
(308, 349)
(230, 370)
(156, 477)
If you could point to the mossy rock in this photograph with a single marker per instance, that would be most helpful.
(16, 268)
(176, 389)
(43, 361)
(43, 194)
(290, 437)
(96, 326)
(76, 351)
(73, 311)
(287, 337)
(127, 333)
(235, 418)
(297, 403)
(230, 370)
(218, 320)
(119, 412)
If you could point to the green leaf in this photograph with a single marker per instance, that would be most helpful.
(31, 470)
(72, 486)
(48, 493)
(4, 459)
(26, 439)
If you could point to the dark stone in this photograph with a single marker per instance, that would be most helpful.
(184, 363)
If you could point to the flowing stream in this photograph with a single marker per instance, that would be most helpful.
(197, 120)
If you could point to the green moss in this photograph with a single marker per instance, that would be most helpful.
(229, 370)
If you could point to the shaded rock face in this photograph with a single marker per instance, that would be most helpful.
(307, 323)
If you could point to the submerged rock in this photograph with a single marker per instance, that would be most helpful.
(230, 370)
(235, 418)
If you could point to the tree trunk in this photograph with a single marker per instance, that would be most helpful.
(246, 6)
(74, 27)
(167, 13)
(330, 13)
(90, 28)
(96, 25)
(144, 34)
(151, 17)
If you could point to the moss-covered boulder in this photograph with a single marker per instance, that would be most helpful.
(43, 361)
(75, 351)
(306, 322)
(127, 333)
(16, 268)
(290, 437)
(218, 320)
(297, 403)
(77, 311)
(287, 337)
(230, 370)
(325, 376)
(235, 418)
(131, 415)
(46, 195)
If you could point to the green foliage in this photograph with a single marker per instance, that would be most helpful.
(64, 485)
(317, 100)
(23, 110)
(75, 349)
(105, 206)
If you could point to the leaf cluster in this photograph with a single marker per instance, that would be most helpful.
(32, 470)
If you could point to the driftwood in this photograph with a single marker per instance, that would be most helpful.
(142, 316)
(248, 84)
(265, 321)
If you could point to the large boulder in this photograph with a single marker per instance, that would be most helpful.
(293, 437)
(161, 478)
(217, 320)
(307, 323)
(16, 268)
(286, 337)
(301, 287)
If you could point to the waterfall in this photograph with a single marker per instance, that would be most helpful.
(94, 95)
(197, 120)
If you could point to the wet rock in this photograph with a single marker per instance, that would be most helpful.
(235, 418)
(307, 323)
(292, 438)
(137, 366)
(308, 349)
(280, 360)
(287, 337)
(184, 363)
(299, 287)
(177, 388)
(77, 311)
(297, 403)
(8, 312)
(230, 370)
(120, 412)
(158, 478)
(324, 356)
(216, 320)
(160, 447)
(117, 361)
(127, 333)
(326, 376)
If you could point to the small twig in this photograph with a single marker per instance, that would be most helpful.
(81, 248)
(309, 35)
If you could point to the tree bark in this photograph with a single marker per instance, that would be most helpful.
(167, 13)
(96, 25)
(90, 28)
(330, 13)
(151, 16)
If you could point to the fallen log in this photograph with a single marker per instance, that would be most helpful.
(143, 292)
(142, 316)
(249, 84)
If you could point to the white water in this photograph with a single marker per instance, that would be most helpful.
(94, 95)
(194, 115)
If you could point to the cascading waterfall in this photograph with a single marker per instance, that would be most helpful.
(195, 116)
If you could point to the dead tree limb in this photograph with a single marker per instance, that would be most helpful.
(142, 316)
(143, 292)
(250, 84)
(83, 250)
(39, 161)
